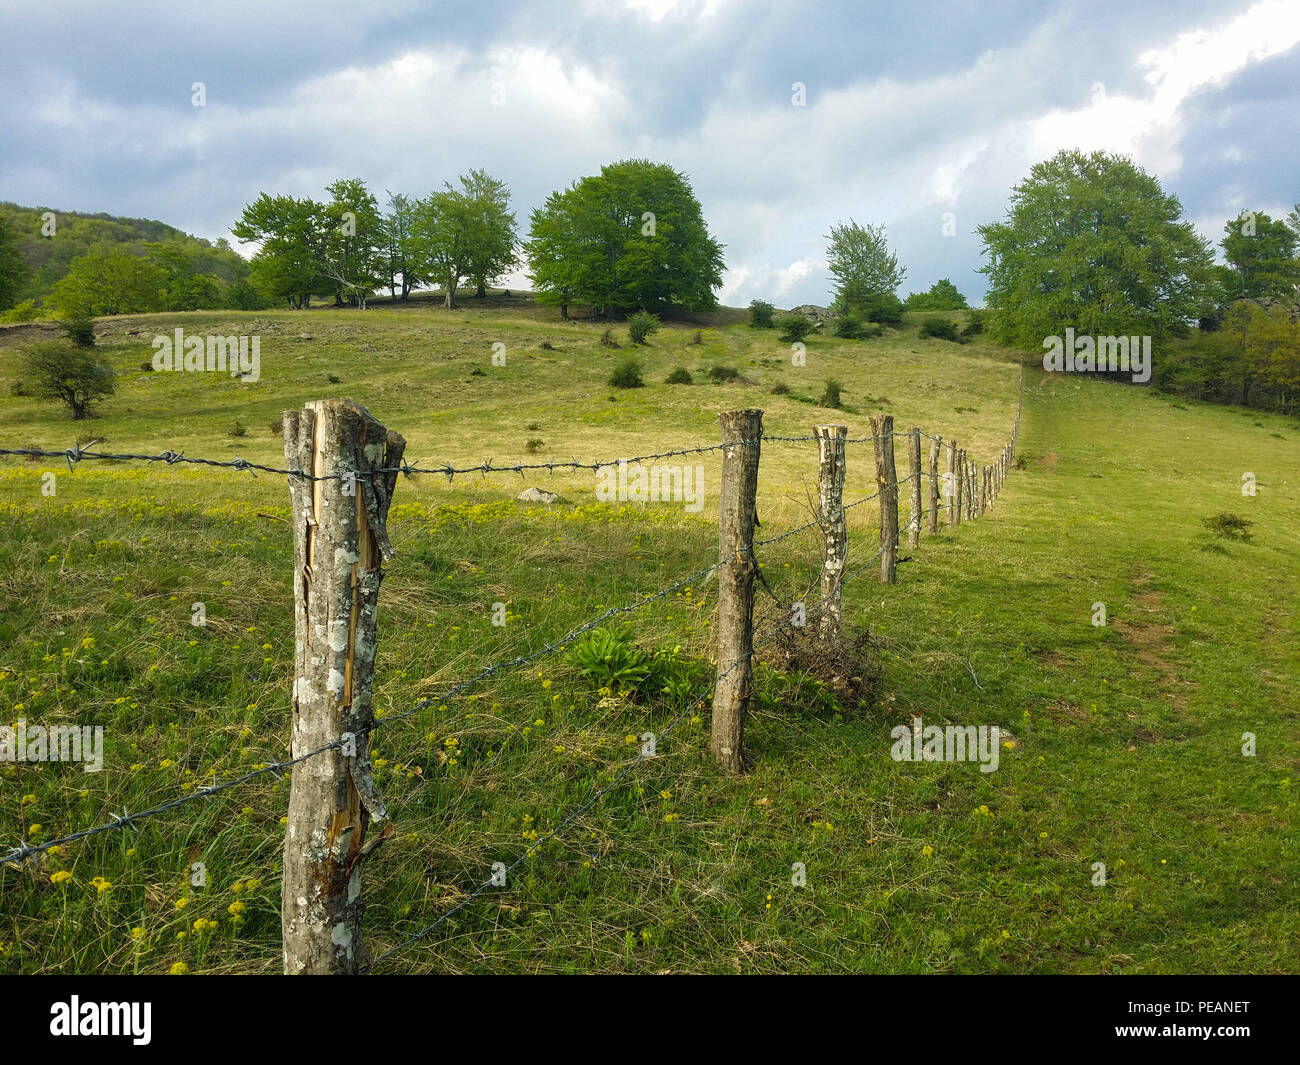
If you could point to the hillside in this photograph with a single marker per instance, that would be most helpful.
(1126, 741)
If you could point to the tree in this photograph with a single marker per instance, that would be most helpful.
(400, 250)
(632, 237)
(492, 236)
(1094, 242)
(109, 280)
(864, 268)
(442, 231)
(352, 241)
(1261, 255)
(943, 296)
(289, 265)
(14, 271)
(76, 376)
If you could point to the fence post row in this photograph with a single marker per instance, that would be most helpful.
(959, 484)
(830, 516)
(914, 455)
(735, 584)
(339, 541)
(882, 431)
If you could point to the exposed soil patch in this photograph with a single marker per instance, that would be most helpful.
(1049, 461)
(1150, 639)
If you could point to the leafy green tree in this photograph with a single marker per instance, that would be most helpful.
(493, 239)
(1261, 255)
(864, 268)
(943, 296)
(14, 270)
(109, 280)
(1094, 242)
(352, 240)
(633, 237)
(400, 248)
(76, 376)
(761, 314)
(290, 263)
(443, 226)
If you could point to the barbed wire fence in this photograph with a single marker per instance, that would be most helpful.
(966, 488)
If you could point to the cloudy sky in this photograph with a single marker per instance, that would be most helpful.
(913, 113)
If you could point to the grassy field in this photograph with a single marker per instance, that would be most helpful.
(1126, 739)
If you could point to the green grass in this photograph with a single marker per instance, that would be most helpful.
(1127, 745)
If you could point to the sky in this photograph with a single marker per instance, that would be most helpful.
(786, 117)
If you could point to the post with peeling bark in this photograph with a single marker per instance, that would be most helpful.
(914, 454)
(339, 515)
(882, 430)
(959, 484)
(735, 585)
(830, 516)
(936, 445)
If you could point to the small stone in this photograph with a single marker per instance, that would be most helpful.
(537, 495)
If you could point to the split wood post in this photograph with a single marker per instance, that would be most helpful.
(936, 445)
(986, 472)
(340, 540)
(959, 482)
(735, 584)
(882, 430)
(972, 471)
(914, 521)
(830, 516)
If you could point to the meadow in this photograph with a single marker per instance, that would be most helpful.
(1125, 740)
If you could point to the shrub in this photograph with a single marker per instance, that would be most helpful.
(334, 379)
(780, 389)
(18, 388)
(680, 376)
(607, 659)
(79, 328)
(1228, 526)
(719, 374)
(641, 325)
(627, 374)
(607, 339)
(73, 375)
(761, 314)
(883, 307)
(697, 337)
(534, 445)
(277, 425)
(850, 327)
(794, 327)
(974, 324)
(237, 428)
(831, 395)
(940, 328)
(27, 311)
(547, 346)
(532, 427)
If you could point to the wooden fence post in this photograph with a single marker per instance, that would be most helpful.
(914, 521)
(735, 585)
(882, 429)
(830, 515)
(959, 483)
(952, 482)
(936, 445)
(340, 540)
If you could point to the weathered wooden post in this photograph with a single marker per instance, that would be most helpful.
(914, 521)
(741, 430)
(936, 445)
(959, 482)
(830, 516)
(340, 539)
(882, 429)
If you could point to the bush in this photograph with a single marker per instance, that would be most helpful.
(882, 307)
(761, 315)
(534, 445)
(641, 325)
(939, 328)
(780, 389)
(237, 428)
(547, 346)
(607, 339)
(79, 328)
(627, 374)
(18, 388)
(831, 395)
(277, 425)
(794, 327)
(697, 337)
(73, 375)
(27, 311)
(850, 327)
(1228, 526)
(719, 374)
(974, 324)
(680, 376)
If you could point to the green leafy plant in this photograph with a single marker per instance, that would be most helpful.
(606, 658)
(760, 314)
(627, 374)
(641, 325)
(794, 327)
(680, 376)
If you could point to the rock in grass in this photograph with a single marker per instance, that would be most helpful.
(537, 495)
